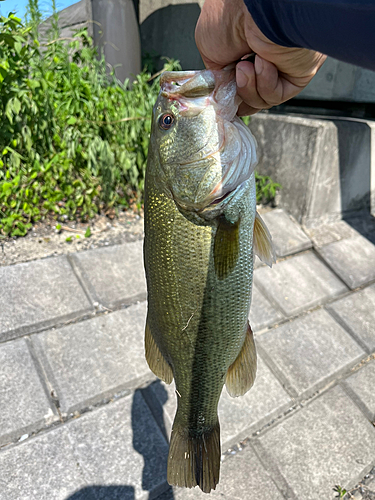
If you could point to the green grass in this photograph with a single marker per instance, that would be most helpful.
(73, 139)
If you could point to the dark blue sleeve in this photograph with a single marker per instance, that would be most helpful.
(344, 29)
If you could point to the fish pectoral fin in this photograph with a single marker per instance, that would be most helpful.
(194, 460)
(156, 361)
(226, 247)
(241, 374)
(263, 246)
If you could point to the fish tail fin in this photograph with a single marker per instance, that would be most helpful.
(194, 459)
(241, 374)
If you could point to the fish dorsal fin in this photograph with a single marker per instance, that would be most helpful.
(156, 361)
(241, 374)
(262, 242)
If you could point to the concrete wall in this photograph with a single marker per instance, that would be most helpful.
(325, 167)
(339, 81)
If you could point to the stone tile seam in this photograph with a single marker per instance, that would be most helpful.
(277, 372)
(41, 326)
(65, 419)
(43, 377)
(357, 401)
(316, 252)
(272, 470)
(82, 279)
(86, 316)
(347, 328)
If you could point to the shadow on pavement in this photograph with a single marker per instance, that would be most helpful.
(155, 396)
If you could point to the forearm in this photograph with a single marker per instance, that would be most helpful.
(344, 29)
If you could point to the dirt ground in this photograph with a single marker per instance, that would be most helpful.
(44, 240)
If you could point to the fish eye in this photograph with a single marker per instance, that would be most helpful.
(166, 121)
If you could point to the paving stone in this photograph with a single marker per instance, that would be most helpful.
(352, 259)
(262, 313)
(113, 275)
(238, 416)
(357, 313)
(287, 236)
(242, 476)
(41, 468)
(361, 386)
(310, 351)
(121, 445)
(298, 283)
(24, 404)
(325, 234)
(328, 442)
(93, 359)
(38, 294)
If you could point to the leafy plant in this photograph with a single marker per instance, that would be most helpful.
(341, 492)
(266, 188)
(73, 138)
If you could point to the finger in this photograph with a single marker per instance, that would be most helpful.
(268, 83)
(246, 110)
(247, 85)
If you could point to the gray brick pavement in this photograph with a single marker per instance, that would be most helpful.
(357, 313)
(262, 312)
(119, 449)
(361, 387)
(37, 294)
(298, 283)
(328, 442)
(123, 281)
(352, 259)
(310, 351)
(287, 236)
(24, 406)
(88, 361)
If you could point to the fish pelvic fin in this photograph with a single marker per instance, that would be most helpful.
(226, 247)
(156, 361)
(241, 374)
(263, 246)
(194, 458)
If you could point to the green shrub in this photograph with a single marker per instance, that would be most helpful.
(73, 139)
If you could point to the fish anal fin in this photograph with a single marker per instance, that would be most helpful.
(194, 459)
(226, 247)
(156, 361)
(241, 374)
(263, 246)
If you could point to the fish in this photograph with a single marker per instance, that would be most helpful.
(201, 230)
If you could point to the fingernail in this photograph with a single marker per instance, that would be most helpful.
(241, 78)
(258, 65)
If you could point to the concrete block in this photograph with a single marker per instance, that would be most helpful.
(357, 313)
(298, 283)
(360, 386)
(239, 417)
(328, 442)
(42, 468)
(262, 313)
(116, 34)
(38, 294)
(340, 81)
(242, 476)
(323, 165)
(328, 233)
(167, 29)
(113, 275)
(310, 351)
(352, 259)
(287, 236)
(121, 445)
(89, 361)
(24, 404)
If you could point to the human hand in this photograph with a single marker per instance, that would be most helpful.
(226, 32)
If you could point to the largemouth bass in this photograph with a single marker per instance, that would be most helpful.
(200, 218)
